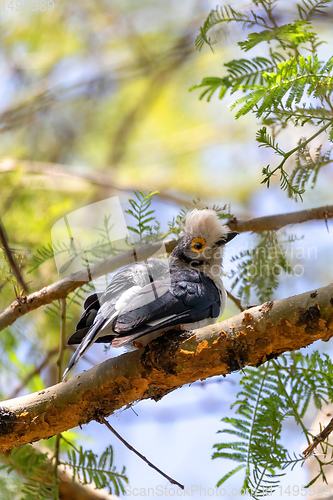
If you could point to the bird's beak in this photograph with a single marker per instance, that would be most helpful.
(230, 236)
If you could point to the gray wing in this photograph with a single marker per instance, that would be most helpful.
(101, 305)
(192, 297)
(101, 308)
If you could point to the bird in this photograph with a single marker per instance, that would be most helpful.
(145, 299)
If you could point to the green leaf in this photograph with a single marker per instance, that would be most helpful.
(294, 34)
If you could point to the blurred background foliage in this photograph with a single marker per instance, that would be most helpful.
(94, 103)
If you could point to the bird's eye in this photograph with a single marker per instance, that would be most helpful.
(198, 244)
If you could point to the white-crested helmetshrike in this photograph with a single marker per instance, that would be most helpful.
(145, 299)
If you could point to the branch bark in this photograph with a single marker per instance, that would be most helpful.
(274, 222)
(250, 338)
(60, 289)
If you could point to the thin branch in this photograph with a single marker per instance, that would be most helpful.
(274, 222)
(63, 287)
(11, 259)
(100, 178)
(62, 337)
(56, 465)
(130, 447)
(235, 301)
(59, 365)
(297, 148)
(250, 338)
(34, 372)
(319, 438)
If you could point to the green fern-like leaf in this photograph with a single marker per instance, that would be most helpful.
(46, 253)
(308, 167)
(275, 391)
(258, 269)
(36, 470)
(284, 87)
(294, 79)
(241, 73)
(268, 141)
(307, 9)
(210, 85)
(141, 212)
(286, 35)
(88, 468)
(222, 14)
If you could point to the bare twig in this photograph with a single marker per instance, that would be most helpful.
(62, 337)
(319, 438)
(235, 301)
(11, 259)
(101, 178)
(34, 372)
(130, 447)
(59, 364)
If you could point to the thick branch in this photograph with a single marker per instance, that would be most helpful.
(250, 338)
(60, 289)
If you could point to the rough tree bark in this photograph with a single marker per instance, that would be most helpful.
(250, 338)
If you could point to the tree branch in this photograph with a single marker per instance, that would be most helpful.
(60, 289)
(319, 438)
(274, 222)
(250, 338)
(131, 448)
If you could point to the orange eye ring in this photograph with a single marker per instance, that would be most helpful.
(198, 244)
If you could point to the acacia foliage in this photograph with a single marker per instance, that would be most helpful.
(291, 86)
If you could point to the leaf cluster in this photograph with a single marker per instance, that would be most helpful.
(87, 468)
(36, 470)
(39, 480)
(258, 269)
(146, 226)
(270, 394)
(287, 87)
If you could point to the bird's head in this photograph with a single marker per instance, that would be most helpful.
(204, 236)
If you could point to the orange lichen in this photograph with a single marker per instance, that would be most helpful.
(248, 318)
(203, 345)
(23, 414)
